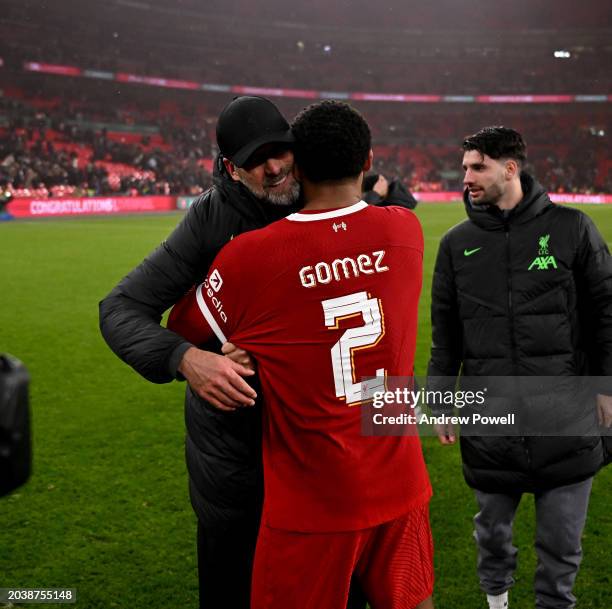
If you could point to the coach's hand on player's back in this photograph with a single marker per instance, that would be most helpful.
(217, 379)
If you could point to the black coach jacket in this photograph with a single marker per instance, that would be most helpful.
(525, 294)
(222, 449)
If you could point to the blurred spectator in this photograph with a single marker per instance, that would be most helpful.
(5, 199)
(379, 191)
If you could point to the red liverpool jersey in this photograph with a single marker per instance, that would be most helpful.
(322, 300)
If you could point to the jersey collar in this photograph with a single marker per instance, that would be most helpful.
(326, 215)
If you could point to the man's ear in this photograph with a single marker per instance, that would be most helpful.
(231, 169)
(368, 164)
(512, 169)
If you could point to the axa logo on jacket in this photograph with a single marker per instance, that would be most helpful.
(544, 260)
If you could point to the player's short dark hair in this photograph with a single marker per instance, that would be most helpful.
(332, 141)
(498, 143)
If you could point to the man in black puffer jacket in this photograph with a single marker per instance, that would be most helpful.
(523, 288)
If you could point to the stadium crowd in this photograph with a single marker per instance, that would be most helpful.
(43, 153)
(78, 145)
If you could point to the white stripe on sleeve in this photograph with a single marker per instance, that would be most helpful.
(208, 316)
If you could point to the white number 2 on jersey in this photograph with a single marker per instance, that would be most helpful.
(353, 339)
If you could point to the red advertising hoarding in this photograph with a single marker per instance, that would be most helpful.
(580, 198)
(438, 197)
(86, 206)
(441, 197)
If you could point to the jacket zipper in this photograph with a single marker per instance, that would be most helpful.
(511, 323)
(510, 306)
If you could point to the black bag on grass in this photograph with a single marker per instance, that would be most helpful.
(15, 442)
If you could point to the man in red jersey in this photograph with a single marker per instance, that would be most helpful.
(322, 299)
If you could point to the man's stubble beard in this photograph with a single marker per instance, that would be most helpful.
(490, 197)
(285, 199)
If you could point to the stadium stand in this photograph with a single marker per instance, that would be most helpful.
(54, 146)
(73, 135)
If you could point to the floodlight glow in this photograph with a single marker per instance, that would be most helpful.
(562, 54)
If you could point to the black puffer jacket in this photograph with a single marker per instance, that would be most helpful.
(222, 449)
(524, 294)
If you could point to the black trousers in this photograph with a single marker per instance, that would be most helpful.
(225, 563)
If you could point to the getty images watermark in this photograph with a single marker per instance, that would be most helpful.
(484, 406)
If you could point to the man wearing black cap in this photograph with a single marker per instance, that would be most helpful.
(255, 141)
(253, 186)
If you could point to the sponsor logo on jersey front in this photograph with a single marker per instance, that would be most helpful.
(215, 280)
(340, 269)
(212, 284)
(544, 260)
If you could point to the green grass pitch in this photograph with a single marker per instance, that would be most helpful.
(106, 510)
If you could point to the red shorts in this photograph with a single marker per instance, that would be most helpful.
(393, 561)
